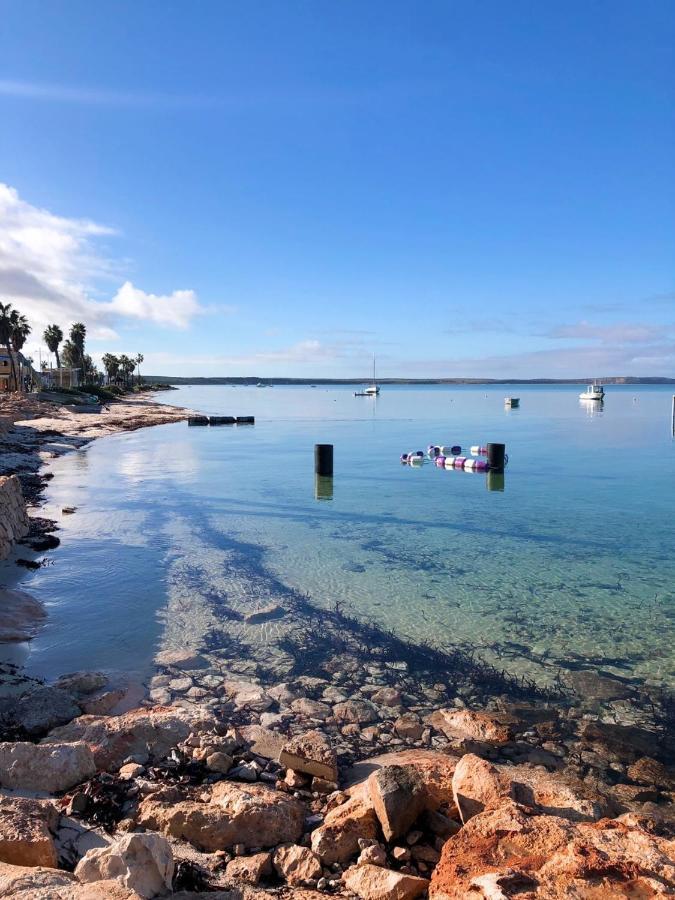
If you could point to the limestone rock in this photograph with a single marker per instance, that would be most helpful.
(435, 769)
(114, 738)
(358, 712)
(312, 754)
(398, 797)
(466, 725)
(264, 614)
(373, 855)
(627, 741)
(263, 741)
(189, 660)
(375, 883)
(42, 708)
(649, 771)
(409, 726)
(311, 709)
(511, 850)
(337, 840)
(45, 767)
(248, 695)
(131, 770)
(297, 865)
(140, 862)
(477, 784)
(25, 836)
(387, 697)
(102, 703)
(81, 684)
(252, 815)
(31, 882)
(22, 615)
(14, 521)
(219, 762)
(251, 869)
(590, 686)
(40, 883)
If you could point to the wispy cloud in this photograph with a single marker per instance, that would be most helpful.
(618, 333)
(278, 95)
(652, 358)
(478, 326)
(61, 93)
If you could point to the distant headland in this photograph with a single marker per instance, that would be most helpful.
(254, 380)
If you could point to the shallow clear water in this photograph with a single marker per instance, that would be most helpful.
(572, 560)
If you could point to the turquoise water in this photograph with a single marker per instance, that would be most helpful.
(571, 563)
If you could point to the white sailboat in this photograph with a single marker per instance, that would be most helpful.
(373, 389)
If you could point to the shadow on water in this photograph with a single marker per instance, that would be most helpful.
(257, 509)
(321, 636)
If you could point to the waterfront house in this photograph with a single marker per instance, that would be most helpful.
(25, 374)
(63, 377)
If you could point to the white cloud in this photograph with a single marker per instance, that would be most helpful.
(51, 266)
(176, 309)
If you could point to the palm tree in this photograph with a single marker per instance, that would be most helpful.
(127, 366)
(78, 333)
(20, 330)
(138, 361)
(111, 364)
(6, 329)
(52, 338)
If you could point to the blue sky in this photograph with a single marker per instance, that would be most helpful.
(284, 188)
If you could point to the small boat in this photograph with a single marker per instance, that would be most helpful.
(593, 392)
(372, 390)
(512, 402)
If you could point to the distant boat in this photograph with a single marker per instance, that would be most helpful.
(373, 389)
(593, 392)
(512, 402)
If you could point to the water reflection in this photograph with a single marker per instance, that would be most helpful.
(495, 481)
(138, 464)
(323, 487)
(592, 407)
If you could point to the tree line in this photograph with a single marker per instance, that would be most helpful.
(70, 353)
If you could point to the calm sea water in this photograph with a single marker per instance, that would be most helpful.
(570, 562)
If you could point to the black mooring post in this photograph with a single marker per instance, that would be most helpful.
(496, 454)
(323, 459)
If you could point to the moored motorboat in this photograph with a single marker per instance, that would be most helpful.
(593, 392)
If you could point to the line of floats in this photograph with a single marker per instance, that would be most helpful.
(491, 457)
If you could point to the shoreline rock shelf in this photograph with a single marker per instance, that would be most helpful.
(14, 523)
(252, 795)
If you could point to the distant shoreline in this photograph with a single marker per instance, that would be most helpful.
(253, 380)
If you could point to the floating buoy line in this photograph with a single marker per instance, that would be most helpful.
(491, 457)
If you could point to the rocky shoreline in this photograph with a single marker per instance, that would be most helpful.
(240, 791)
(347, 763)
